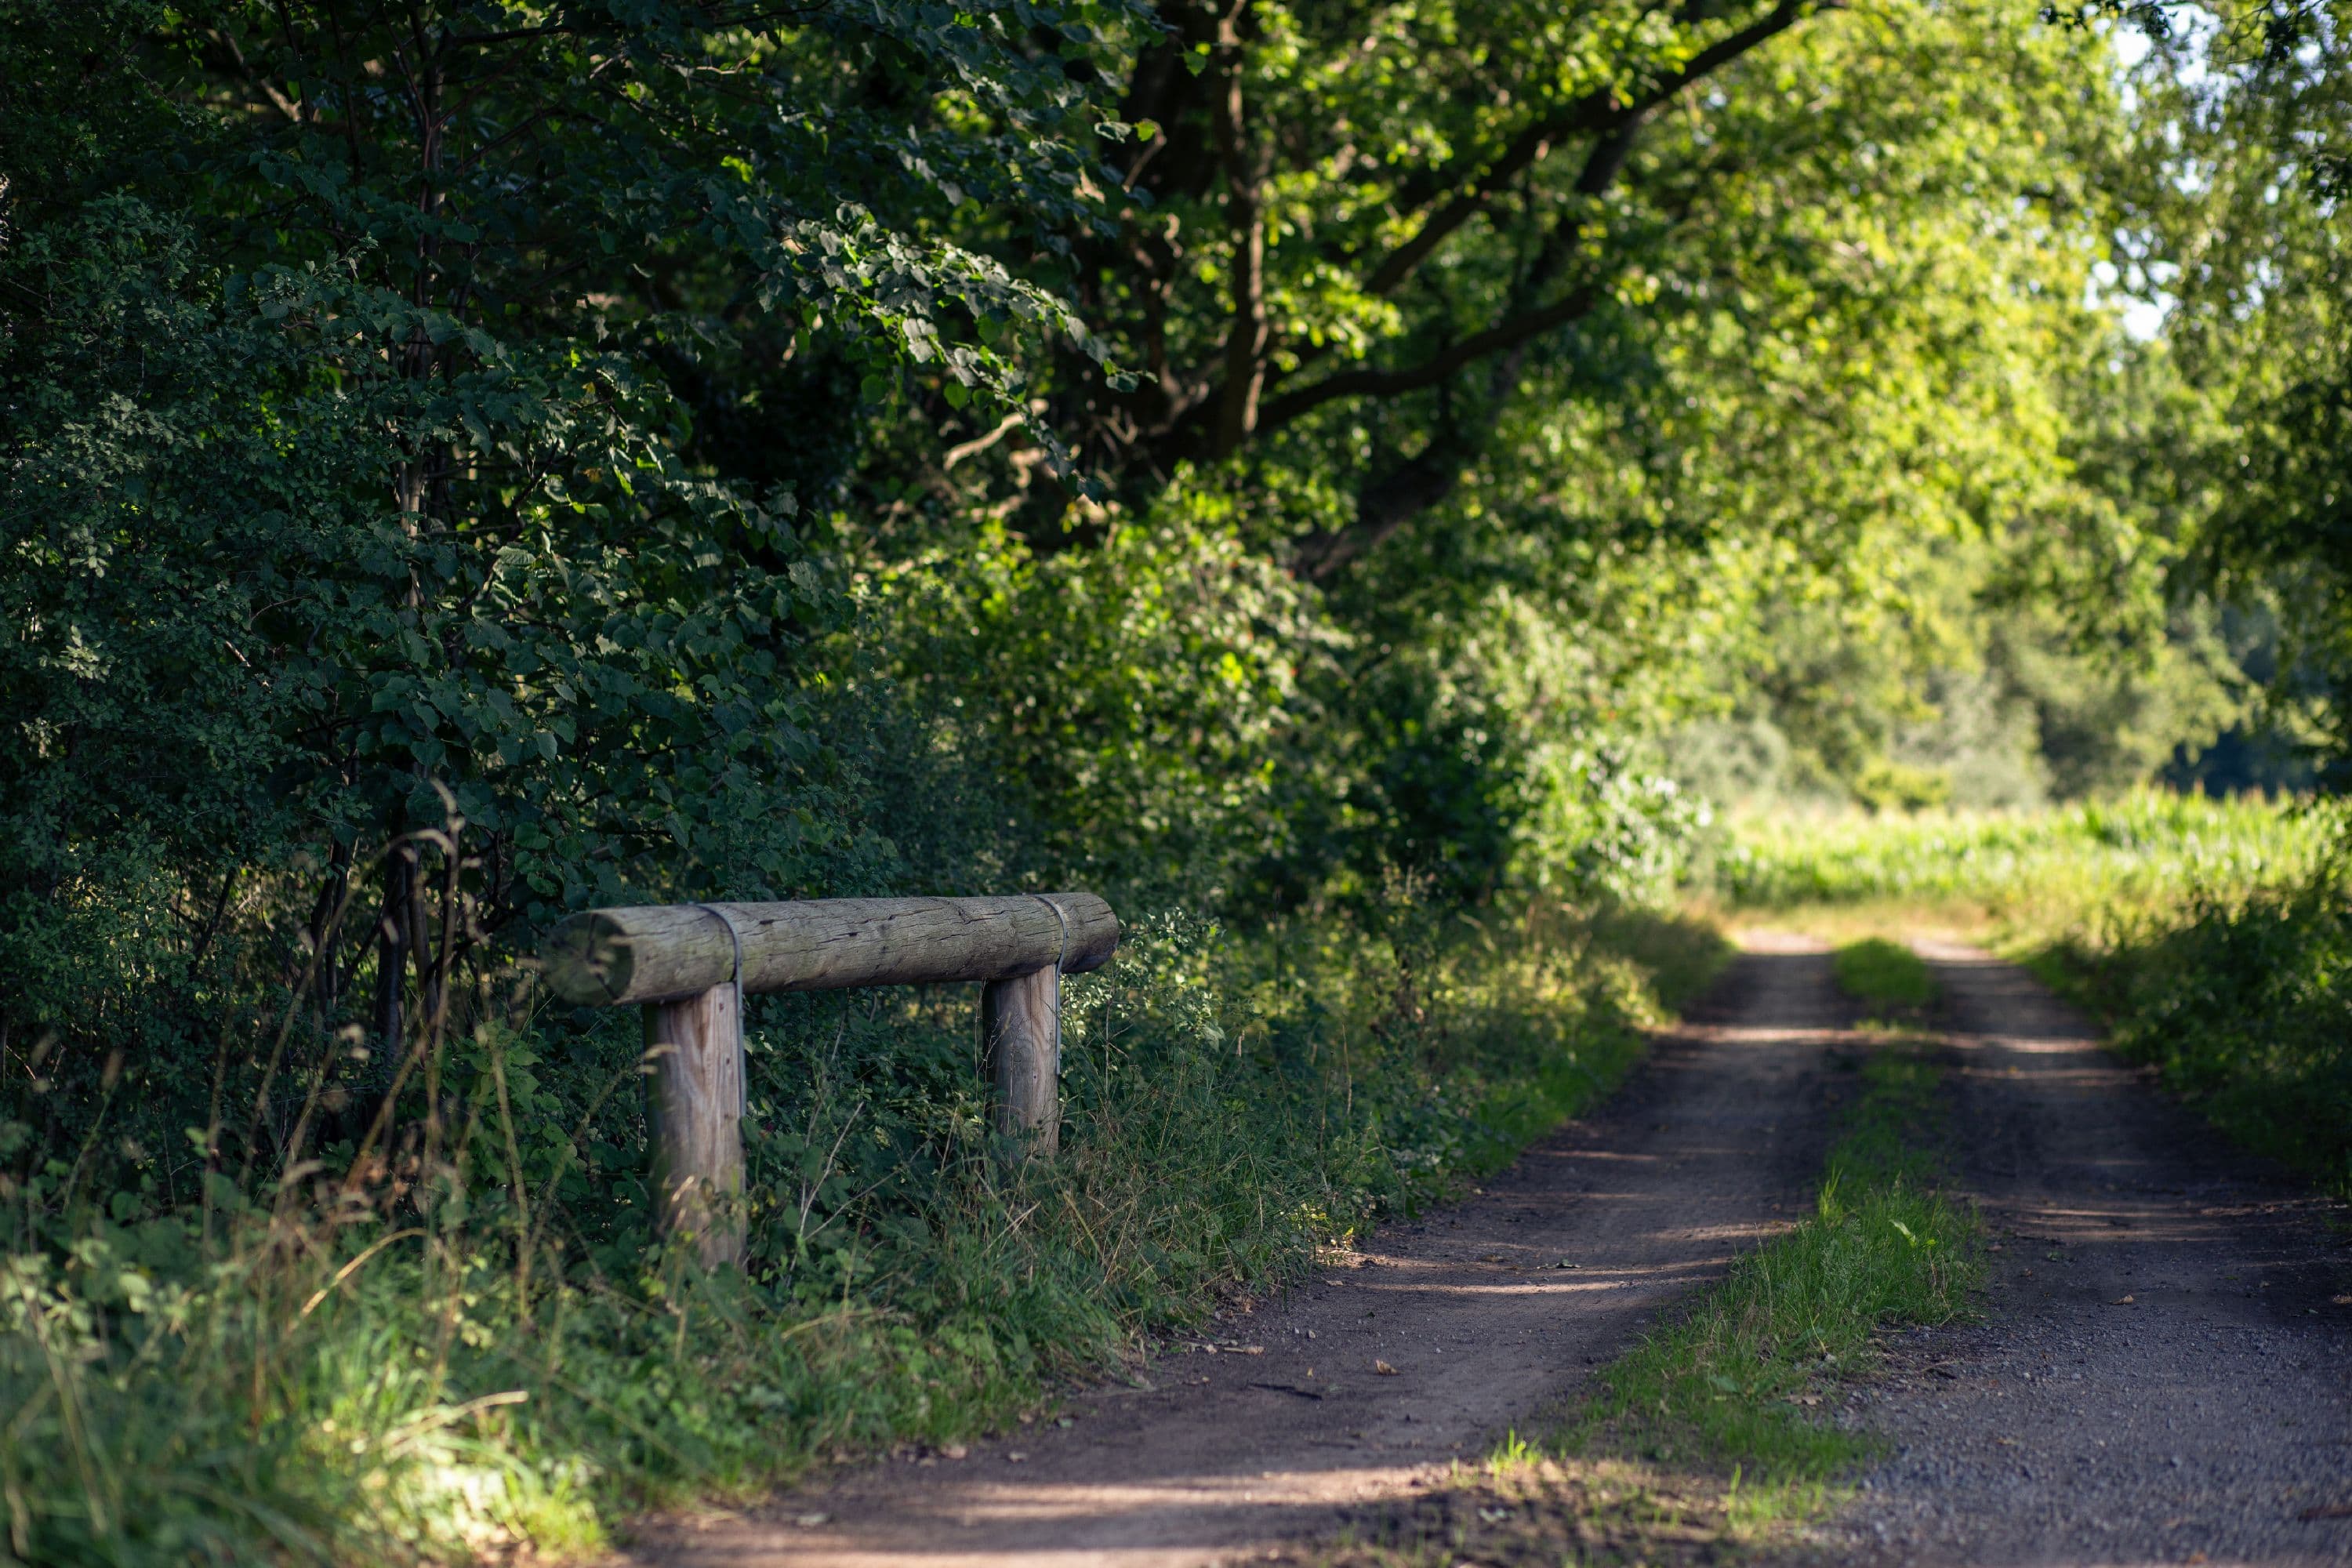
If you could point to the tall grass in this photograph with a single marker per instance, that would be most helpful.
(2243, 1004)
(471, 1342)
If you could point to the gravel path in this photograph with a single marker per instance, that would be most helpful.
(2165, 1373)
(1486, 1313)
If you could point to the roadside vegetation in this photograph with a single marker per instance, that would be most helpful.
(2243, 1006)
(281, 1376)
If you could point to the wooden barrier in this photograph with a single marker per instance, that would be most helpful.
(690, 965)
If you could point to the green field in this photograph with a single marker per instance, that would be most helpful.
(2147, 850)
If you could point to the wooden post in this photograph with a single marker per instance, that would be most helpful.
(1021, 1043)
(697, 1105)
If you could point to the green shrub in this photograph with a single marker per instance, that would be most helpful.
(2244, 1006)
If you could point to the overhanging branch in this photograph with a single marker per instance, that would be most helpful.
(1577, 303)
(1594, 113)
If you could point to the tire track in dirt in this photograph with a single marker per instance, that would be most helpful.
(1713, 1145)
(2163, 1375)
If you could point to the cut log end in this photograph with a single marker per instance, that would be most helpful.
(589, 961)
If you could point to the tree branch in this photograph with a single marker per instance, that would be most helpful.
(979, 444)
(1529, 147)
(1385, 506)
(1615, 125)
(1597, 112)
(1575, 304)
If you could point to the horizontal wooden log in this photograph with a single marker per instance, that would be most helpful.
(606, 957)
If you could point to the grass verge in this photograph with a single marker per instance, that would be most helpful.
(1885, 973)
(2243, 1008)
(483, 1353)
(1713, 1429)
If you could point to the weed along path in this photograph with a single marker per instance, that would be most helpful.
(1368, 1381)
(2164, 1372)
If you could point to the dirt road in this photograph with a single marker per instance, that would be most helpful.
(2165, 1370)
(1486, 1313)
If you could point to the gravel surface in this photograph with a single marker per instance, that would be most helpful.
(1365, 1384)
(2165, 1370)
